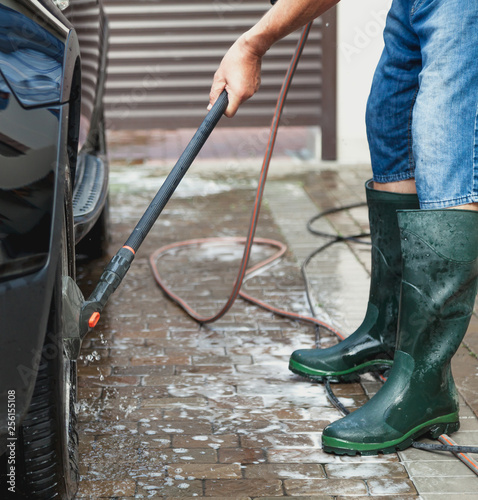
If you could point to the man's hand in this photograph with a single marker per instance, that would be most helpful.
(240, 70)
(239, 73)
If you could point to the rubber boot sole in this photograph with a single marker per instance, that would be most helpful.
(433, 428)
(351, 375)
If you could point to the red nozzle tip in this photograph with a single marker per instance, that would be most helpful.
(94, 318)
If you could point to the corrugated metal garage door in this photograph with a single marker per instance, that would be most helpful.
(163, 55)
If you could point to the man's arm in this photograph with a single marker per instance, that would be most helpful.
(240, 69)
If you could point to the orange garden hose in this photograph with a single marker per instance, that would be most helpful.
(157, 254)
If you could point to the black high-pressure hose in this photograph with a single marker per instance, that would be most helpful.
(448, 445)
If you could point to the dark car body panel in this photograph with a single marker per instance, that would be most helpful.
(31, 59)
(25, 298)
(29, 158)
(91, 28)
(39, 122)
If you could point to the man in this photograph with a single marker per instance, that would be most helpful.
(423, 202)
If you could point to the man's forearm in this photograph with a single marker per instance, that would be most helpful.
(285, 17)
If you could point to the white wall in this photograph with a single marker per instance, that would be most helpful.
(360, 43)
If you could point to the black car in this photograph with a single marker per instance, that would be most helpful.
(53, 204)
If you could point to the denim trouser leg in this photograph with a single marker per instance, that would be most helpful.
(422, 110)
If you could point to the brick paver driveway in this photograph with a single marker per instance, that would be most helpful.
(171, 409)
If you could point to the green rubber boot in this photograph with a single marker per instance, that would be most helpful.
(439, 285)
(371, 347)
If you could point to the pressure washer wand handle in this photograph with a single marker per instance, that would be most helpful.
(177, 173)
(117, 268)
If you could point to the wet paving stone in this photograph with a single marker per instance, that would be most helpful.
(366, 471)
(214, 441)
(107, 489)
(386, 485)
(171, 409)
(328, 486)
(168, 487)
(253, 488)
(289, 471)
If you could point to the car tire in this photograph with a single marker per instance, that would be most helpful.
(47, 445)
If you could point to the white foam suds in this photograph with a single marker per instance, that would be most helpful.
(142, 179)
(200, 438)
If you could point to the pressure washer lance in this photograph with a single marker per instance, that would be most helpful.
(119, 265)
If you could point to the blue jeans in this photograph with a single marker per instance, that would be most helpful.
(422, 111)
